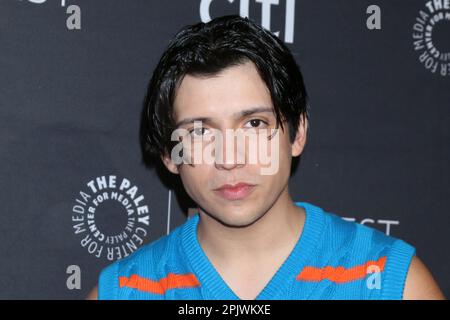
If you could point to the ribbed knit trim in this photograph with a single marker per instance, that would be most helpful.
(108, 283)
(208, 276)
(396, 270)
(284, 278)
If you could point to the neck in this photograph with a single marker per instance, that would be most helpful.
(278, 230)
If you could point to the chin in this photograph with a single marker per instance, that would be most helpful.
(236, 221)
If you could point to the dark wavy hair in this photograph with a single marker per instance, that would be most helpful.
(205, 49)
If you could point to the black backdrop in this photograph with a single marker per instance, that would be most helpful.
(73, 76)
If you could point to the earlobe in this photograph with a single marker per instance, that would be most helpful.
(169, 164)
(300, 139)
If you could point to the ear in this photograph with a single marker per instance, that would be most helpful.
(170, 165)
(300, 139)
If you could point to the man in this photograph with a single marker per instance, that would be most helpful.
(249, 239)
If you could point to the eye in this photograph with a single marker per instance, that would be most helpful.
(198, 132)
(255, 123)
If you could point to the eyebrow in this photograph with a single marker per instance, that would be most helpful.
(237, 115)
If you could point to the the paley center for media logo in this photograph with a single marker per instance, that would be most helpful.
(110, 217)
(431, 36)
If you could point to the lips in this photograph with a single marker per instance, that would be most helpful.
(235, 192)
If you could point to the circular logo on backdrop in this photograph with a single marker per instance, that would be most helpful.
(431, 32)
(111, 217)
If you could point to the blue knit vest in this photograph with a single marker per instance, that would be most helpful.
(333, 259)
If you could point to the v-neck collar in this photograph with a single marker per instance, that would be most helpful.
(217, 288)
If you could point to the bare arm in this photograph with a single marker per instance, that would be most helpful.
(93, 295)
(420, 284)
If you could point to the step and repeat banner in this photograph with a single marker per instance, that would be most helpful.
(73, 75)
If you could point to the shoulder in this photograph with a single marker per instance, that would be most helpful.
(362, 240)
(420, 284)
(358, 247)
(150, 261)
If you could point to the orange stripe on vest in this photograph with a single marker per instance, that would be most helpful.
(159, 287)
(340, 274)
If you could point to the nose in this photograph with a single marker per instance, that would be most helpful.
(228, 154)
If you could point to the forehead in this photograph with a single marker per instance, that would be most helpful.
(234, 89)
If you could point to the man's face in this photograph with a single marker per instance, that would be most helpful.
(222, 101)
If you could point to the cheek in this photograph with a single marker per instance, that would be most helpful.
(195, 179)
(279, 153)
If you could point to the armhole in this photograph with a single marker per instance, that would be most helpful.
(396, 270)
(108, 282)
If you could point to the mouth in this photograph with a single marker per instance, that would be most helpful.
(235, 192)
